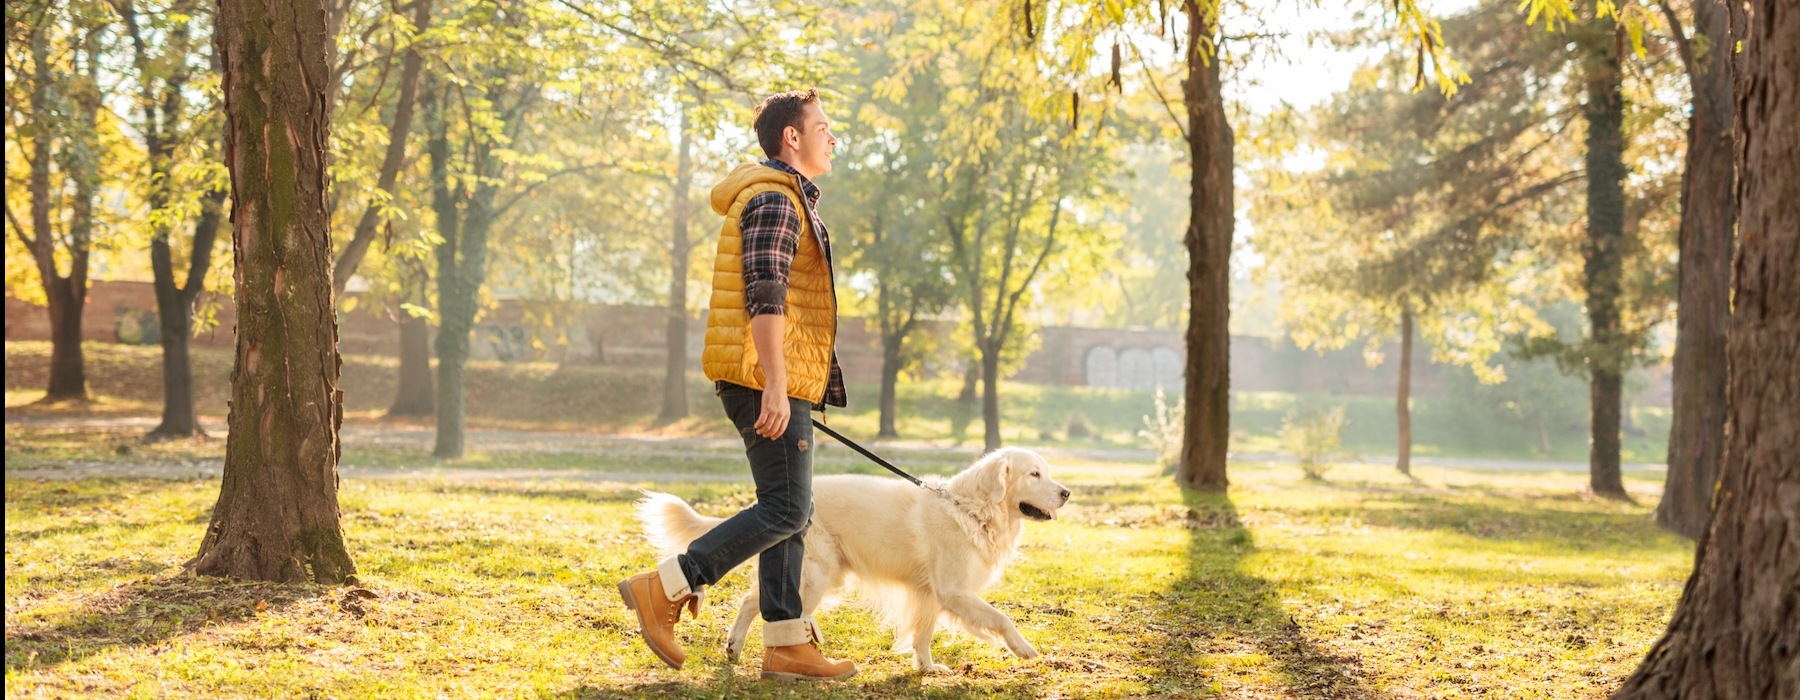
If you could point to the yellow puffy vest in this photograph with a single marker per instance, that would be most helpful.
(811, 329)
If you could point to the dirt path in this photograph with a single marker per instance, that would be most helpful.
(504, 441)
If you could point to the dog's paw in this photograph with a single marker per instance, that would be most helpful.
(1024, 650)
(733, 650)
(934, 669)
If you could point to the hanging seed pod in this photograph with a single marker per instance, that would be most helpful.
(1074, 109)
(1117, 81)
(1030, 31)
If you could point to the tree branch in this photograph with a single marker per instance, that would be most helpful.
(1156, 88)
(1682, 45)
(565, 171)
(18, 228)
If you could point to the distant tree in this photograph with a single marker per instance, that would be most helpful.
(1410, 227)
(53, 99)
(1708, 222)
(183, 182)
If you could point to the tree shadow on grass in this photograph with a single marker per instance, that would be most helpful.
(1218, 617)
(143, 613)
(727, 682)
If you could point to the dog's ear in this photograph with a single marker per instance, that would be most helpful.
(985, 480)
(996, 471)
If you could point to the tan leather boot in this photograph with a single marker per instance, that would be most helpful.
(658, 597)
(792, 653)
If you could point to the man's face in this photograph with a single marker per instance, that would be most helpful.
(809, 150)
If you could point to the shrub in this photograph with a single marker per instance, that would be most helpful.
(1163, 431)
(1314, 436)
(1078, 427)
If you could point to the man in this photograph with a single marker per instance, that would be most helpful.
(770, 349)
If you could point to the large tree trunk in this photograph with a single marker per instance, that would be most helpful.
(175, 316)
(277, 516)
(1708, 215)
(1403, 398)
(391, 161)
(1207, 426)
(415, 395)
(1733, 635)
(1603, 251)
(674, 401)
(990, 398)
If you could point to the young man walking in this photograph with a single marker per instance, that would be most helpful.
(770, 349)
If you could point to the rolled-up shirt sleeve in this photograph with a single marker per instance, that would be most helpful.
(771, 229)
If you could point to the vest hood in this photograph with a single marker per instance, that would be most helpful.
(742, 176)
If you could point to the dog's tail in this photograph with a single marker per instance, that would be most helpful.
(670, 523)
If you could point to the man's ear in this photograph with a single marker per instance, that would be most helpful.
(790, 143)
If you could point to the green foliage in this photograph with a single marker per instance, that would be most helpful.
(1423, 202)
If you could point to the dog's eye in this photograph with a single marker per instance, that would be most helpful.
(1034, 475)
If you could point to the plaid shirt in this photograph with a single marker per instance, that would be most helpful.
(771, 231)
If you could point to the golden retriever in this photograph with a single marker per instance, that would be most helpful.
(917, 555)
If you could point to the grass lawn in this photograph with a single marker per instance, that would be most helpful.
(1456, 584)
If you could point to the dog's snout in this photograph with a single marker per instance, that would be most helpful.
(1065, 494)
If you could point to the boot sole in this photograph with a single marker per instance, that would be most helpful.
(643, 629)
(773, 676)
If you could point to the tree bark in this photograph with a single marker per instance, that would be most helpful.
(674, 401)
(277, 516)
(1602, 252)
(1733, 633)
(1207, 424)
(1708, 217)
(175, 317)
(415, 395)
(391, 161)
(1403, 399)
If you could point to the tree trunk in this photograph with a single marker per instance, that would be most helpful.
(1602, 251)
(1708, 215)
(415, 395)
(674, 403)
(990, 398)
(971, 378)
(459, 283)
(1207, 425)
(68, 373)
(277, 516)
(391, 161)
(890, 383)
(1733, 633)
(175, 317)
(1403, 399)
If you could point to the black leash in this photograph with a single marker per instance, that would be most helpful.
(872, 456)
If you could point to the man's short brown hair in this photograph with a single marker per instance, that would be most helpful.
(780, 111)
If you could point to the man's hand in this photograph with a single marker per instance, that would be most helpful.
(776, 411)
(766, 331)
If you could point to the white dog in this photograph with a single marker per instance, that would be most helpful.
(916, 554)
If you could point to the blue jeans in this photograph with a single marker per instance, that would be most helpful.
(773, 528)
